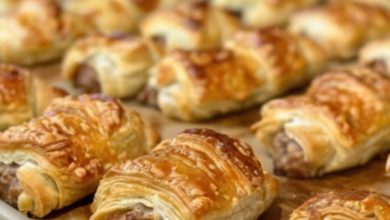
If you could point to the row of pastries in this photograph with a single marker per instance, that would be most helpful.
(194, 61)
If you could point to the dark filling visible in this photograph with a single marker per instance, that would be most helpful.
(289, 157)
(87, 78)
(159, 41)
(137, 212)
(10, 188)
(148, 96)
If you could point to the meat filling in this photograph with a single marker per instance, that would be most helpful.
(289, 157)
(87, 78)
(137, 212)
(10, 188)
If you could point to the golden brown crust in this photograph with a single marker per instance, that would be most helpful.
(73, 143)
(348, 204)
(253, 67)
(200, 174)
(376, 54)
(266, 13)
(32, 42)
(340, 122)
(118, 62)
(345, 26)
(196, 25)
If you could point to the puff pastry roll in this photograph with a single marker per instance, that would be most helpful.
(22, 96)
(255, 66)
(264, 13)
(111, 16)
(25, 40)
(116, 65)
(200, 174)
(60, 157)
(341, 27)
(190, 26)
(342, 121)
(354, 205)
(377, 54)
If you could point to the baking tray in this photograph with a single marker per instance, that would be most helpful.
(293, 191)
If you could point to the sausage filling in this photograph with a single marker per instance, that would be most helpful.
(10, 188)
(289, 157)
(87, 78)
(137, 212)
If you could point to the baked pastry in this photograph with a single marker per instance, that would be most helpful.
(25, 40)
(341, 122)
(382, 3)
(350, 204)
(253, 67)
(200, 174)
(115, 65)
(190, 26)
(377, 54)
(341, 27)
(7, 6)
(60, 157)
(22, 96)
(264, 13)
(111, 16)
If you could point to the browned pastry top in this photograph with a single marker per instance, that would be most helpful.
(348, 204)
(213, 74)
(353, 100)
(225, 168)
(146, 5)
(71, 134)
(13, 86)
(279, 45)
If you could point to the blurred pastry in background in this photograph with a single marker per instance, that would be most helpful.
(342, 27)
(22, 96)
(36, 31)
(110, 16)
(382, 3)
(199, 174)
(377, 54)
(115, 65)
(264, 13)
(253, 67)
(7, 6)
(341, 122)
(59, 157)
(189, 26)
(348, 204)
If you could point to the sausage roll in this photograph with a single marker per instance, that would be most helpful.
(341, 27)
(342, 121)
(187, 26)
(255, 66)
(21, 96)
(264, 13)
(37, 31)
(116, 65)
(377, 53)
(60, 157)
(110, 16)
(354, 205)
(200, 174)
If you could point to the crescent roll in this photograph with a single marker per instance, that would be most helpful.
(264, 13)
(253, 67)
(35, 32)
(190, 26)
(342, 121)
(60, 157)
(21, 96)
(111, 16)
(341, 27)
(354, 205)
(115, 65)
(200, 174)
